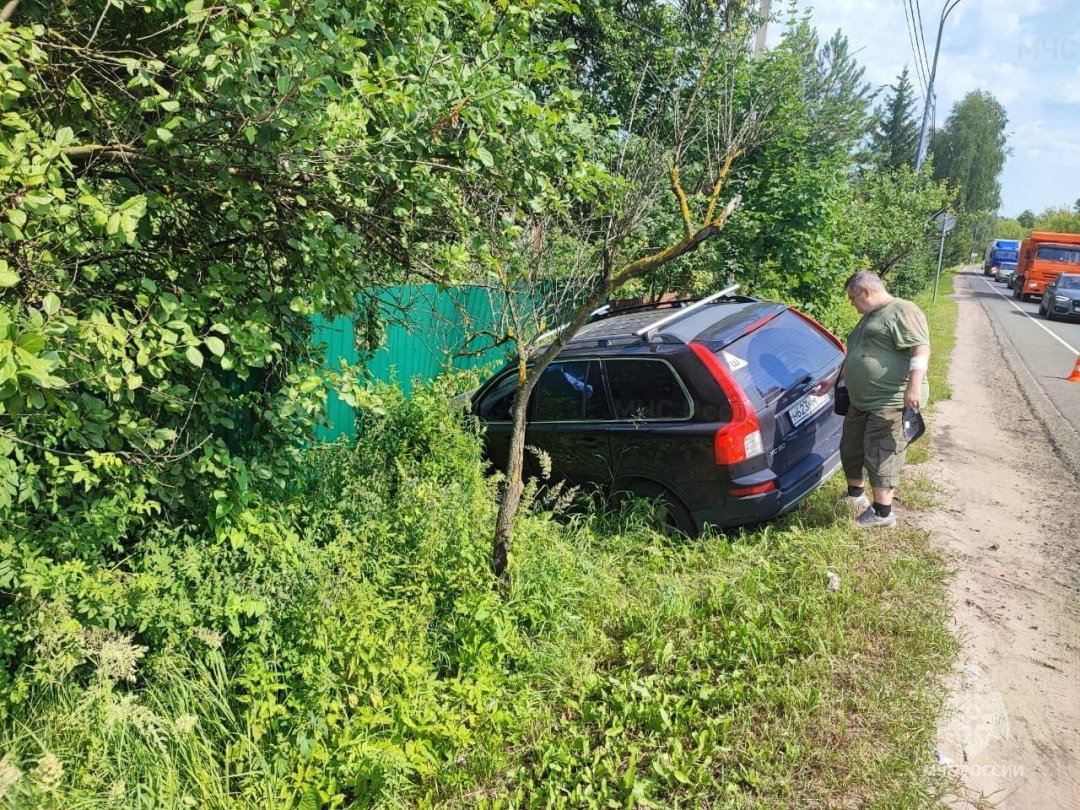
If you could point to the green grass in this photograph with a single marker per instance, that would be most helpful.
(941, 317)
(622, 668)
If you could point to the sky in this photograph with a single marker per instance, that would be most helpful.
(1025, 52)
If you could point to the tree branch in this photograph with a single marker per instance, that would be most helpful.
(117, 151)
(720, 180)
(8, 10)
(684, 206)
(689, 243)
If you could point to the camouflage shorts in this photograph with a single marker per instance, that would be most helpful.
(874, 440)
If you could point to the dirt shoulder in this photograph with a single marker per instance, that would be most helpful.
(1013, 732)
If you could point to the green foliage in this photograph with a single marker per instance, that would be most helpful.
(787, 238)
(890, 223)
(895, 138)
(969, 151)
(1055, 220)
(346, 648)
(181, 186)
(198, 610)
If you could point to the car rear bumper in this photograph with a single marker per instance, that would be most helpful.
(796, 487)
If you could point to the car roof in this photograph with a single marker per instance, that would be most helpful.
(721, 320)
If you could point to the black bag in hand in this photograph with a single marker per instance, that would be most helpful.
(842, 401)
(914, 426)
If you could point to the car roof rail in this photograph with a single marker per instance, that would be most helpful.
(647, 332)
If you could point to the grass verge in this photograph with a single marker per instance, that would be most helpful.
(350, 650)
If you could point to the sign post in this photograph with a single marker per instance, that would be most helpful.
(944, 222)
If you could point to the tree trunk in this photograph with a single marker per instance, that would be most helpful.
(511, 499)
(529, 375)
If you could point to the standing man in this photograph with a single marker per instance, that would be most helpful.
(885, 371)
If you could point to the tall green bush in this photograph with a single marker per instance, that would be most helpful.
(181, 185)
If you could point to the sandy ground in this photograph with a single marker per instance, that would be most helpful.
(1009, 521)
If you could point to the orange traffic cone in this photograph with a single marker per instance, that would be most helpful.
(1075, 376)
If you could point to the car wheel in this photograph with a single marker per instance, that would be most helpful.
(1042, 309)
(673, 517)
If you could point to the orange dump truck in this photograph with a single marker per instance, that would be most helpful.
(1043, 257)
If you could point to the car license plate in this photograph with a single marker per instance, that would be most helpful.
(807, 407)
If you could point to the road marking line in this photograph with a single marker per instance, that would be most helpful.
(1027, 314)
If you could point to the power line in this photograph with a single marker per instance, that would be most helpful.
(920, 153)
(920, 71)
(922, 37)
(920, 62)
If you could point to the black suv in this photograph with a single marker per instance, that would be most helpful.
(709, 408)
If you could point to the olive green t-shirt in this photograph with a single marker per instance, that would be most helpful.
(879, 351)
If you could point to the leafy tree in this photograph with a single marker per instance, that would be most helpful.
(1010, 229)
(1026, 219)
(894, 140)
(1058, 220)
(789, 238)
(837, 96)
(970, 150)
(890, 217)
(181, 186)
(707, 117)
(1076, 205)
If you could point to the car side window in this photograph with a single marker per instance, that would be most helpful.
(646, 389)
(569, 391)
(496, 404)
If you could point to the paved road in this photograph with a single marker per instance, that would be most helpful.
(1012, 535)
(1040, 352)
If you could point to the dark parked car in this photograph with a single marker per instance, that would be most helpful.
(709, 408)
(1062, 298)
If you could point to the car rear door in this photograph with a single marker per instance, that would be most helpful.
(779, 365)
(652, 436)
(568, 421)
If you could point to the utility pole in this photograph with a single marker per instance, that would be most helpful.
(763, 29)
(920, 154)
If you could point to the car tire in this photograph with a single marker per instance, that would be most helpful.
(1042, 310)
(674, 517)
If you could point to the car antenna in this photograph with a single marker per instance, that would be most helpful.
(646, 333)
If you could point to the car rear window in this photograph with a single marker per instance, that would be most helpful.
(646, 389)
(781, 354)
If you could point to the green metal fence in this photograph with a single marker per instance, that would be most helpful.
(428, 331)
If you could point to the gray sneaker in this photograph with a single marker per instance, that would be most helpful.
(855, 505)
(869, 519)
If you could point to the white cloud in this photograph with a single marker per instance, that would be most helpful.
(1053, 138)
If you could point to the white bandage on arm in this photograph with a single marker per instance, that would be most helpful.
(919, 362)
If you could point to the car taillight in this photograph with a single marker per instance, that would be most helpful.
(740, 438)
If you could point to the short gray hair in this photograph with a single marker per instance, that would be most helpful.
(864, 280)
